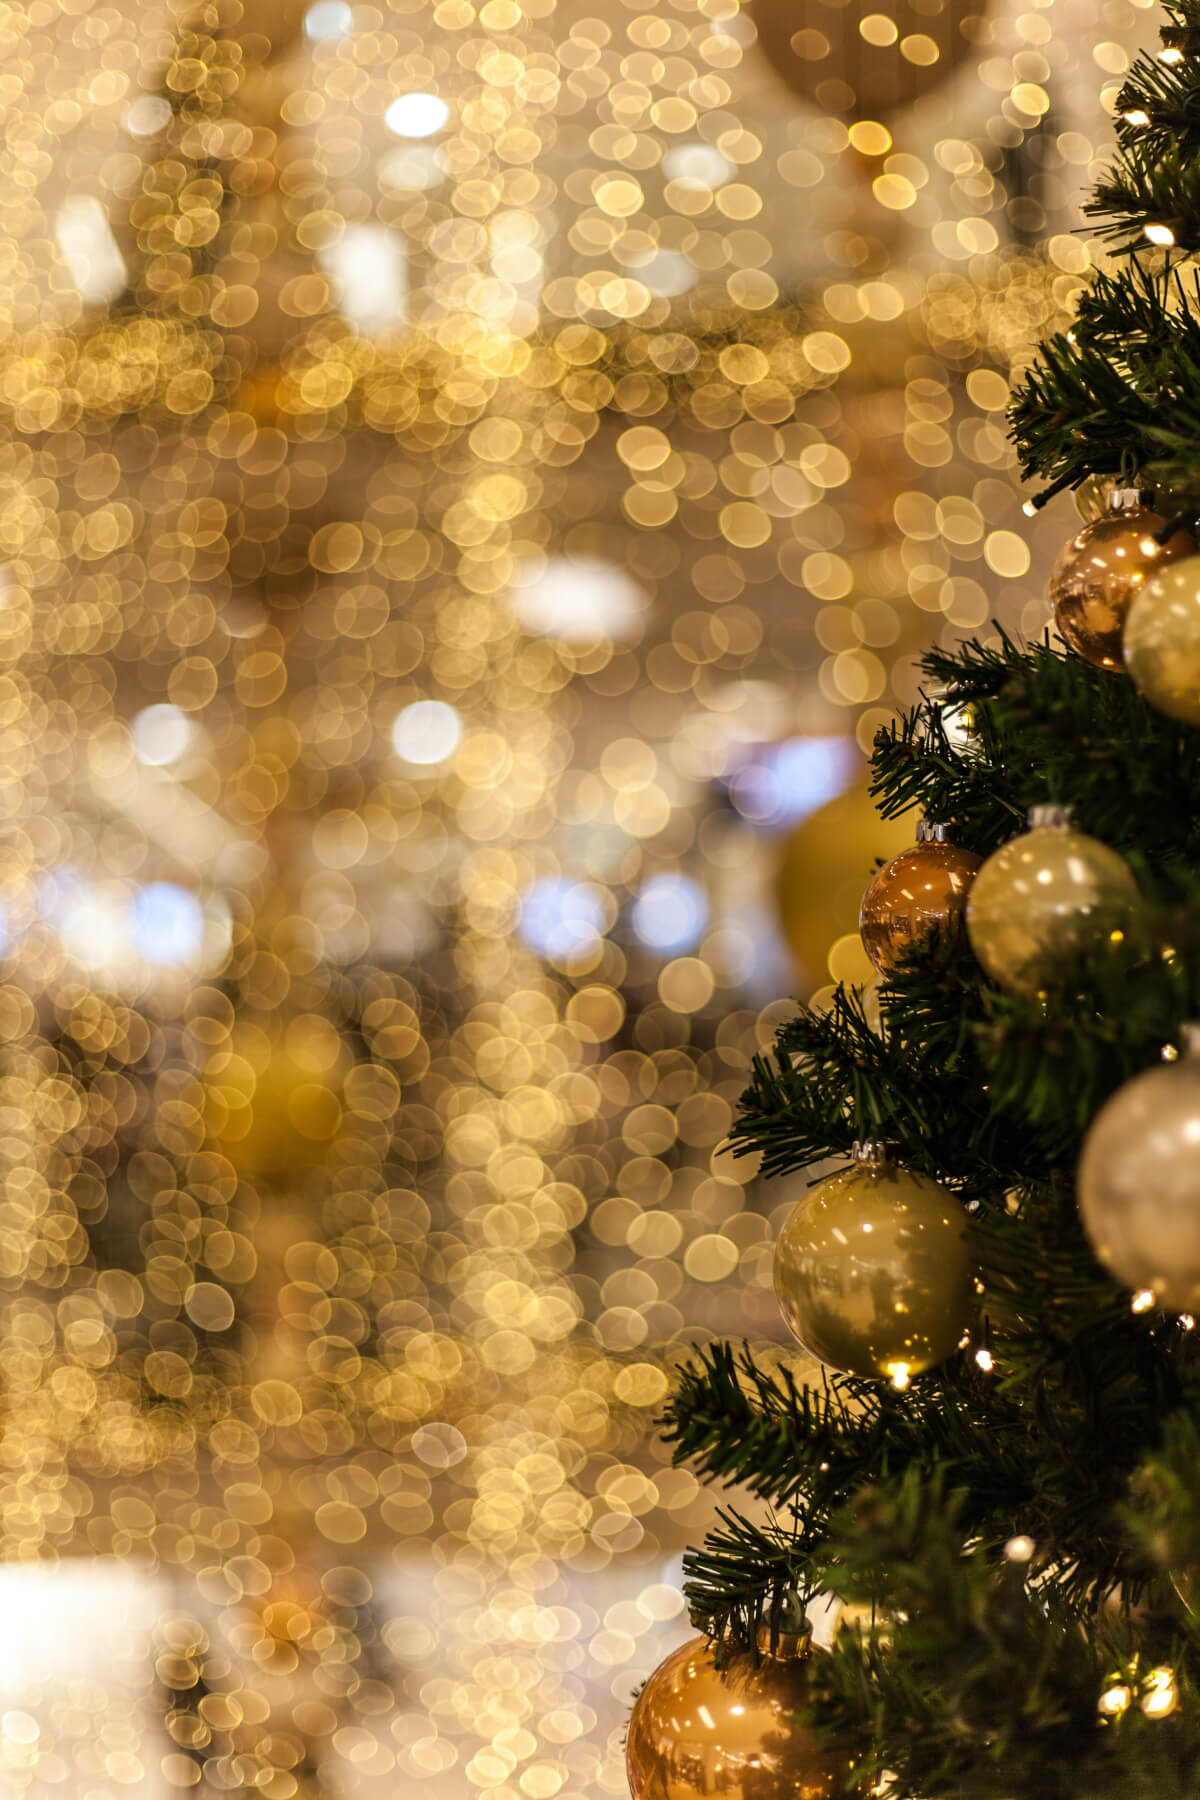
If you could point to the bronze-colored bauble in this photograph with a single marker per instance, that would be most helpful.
(871, 1270)
(921, 893)
(818, 48)
(1162, 640)
(1098, 575)
(702, 1733)
(824, 866)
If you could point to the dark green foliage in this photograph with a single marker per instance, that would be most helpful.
(1082, 1434)
(1120, 394)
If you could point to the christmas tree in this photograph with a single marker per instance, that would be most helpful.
(996, 1469)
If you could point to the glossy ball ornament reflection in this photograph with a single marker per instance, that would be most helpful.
(871, 1270)
(919, 894)
(702, 1733)
(1045, 896)
(1162, 640)
(1098, 574)
(1138, 1182)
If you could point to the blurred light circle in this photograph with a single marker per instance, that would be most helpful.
(670, 913)
(161, 734)
(668, 273)
(147, 115)
(560, 917)
(327, 21)
(579, 600)
(416, 115)
(701, 164)
(789, 780)
(413, 166)
(428, 731)
(167, 923)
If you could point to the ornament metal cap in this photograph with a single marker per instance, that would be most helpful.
(872, 1151)
(933, 831)
(784, 1646)
(1051, 816)
(1128, 499)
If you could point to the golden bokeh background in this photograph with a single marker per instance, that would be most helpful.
(475, 479)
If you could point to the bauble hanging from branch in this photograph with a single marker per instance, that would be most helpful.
(1098, 574)
(871, 1269)
(1043, 897)
(921, 894)
(702, 1733)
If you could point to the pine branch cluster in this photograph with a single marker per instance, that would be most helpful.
(1119, 394)
(1072, 1435)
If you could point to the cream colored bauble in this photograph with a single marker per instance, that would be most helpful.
(1161, 644)
(1139, 1183)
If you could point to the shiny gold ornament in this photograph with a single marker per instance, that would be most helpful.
(1043, 896)
(273, 1100)
(825, 864)
(1139, 1181)
(920, 893)
(1098, 574)
(871, 1269)
(857, 61)
(1162, 640)
(699, 1733)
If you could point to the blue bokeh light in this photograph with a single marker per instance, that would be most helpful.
(166, 923)
(670, 913)
(559, 917)
(787, 781)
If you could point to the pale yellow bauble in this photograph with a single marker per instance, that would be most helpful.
(871, 1270)
(1043, 897)
(1161, 644)
(273, 1096)
(824, 868)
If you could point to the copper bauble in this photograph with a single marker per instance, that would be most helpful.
(823, 53)
(702, 1733)
(1139, 1182)
(920, 893)
(1098, 574)
(871, 1270)
(1048, 894)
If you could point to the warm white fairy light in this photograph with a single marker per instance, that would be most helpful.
(1161, 1695)
(1162, 235)
(1115, 1700)
(985, 1360)
(1019, 1549)
(900, 1375)
(1142, 1301)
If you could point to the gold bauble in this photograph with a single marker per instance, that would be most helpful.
(1162, 640)
(921, 893)
(1097, 576)
(871, 1270)
(818, 48)
(273, 1098)
(1043, 896)
(702, 1733)
(1139, 1183)
(824, 866)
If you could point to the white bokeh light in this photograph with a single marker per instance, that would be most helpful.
(166, 923)
(579, 600)
(415, 167)
(328, 21)
(161, 734)
(146, 116)
(669, 273)
(700, 165)
(561, 918)
(416, 115)
(670, 913)
(428, 731)
(89, 248)
(369, 269)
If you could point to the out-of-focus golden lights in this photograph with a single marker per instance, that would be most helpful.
(397, 710)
